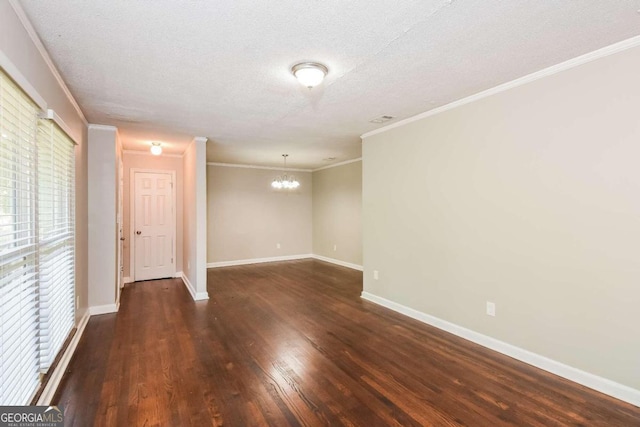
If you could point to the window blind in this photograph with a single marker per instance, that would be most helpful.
(56, 244)
(19, 321)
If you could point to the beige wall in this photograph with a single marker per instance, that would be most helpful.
(529, 198)
(18, 48)
(195, 218)
(163, 163)
(337, 213)
(247, 218)
(102, 230)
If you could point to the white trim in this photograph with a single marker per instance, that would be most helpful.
(270, 168)
(257, 260)
(148, 153)
(586, 379)
(57, 374)
(178, 275)
(49, 114)
(103, 309)
(102, 127)
(45, 56)
(127, 280)
(337, 262)
(197, 296)
(563, 66)
(132, 186)
(346, 162)
(21, 81)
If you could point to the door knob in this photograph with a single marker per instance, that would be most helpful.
(138, 232)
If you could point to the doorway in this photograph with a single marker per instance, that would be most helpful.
(153, 224)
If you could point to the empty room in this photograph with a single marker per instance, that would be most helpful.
(306, 213)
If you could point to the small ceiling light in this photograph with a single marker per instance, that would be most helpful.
(310, 74)
(285, 182)
(156, 148)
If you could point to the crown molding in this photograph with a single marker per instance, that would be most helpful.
(554, 69)
(147, 153)
(102, 127)
(200, 139)
(45, 55)
(335, 165)
(233, 165)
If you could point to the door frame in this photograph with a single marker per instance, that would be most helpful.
(132, 211)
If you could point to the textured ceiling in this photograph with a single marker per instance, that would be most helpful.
(168, 70)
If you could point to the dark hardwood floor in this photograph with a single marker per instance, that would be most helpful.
(292, 343)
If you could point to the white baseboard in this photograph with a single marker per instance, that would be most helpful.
(256, 260)
(127, 279)
(57, 374)
(178, 275)
(337, 262)
(603, 385)
(283, 258)
(197, 296)
(103, 309)
(201, 296)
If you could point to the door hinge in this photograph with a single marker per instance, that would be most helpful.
(171, 260)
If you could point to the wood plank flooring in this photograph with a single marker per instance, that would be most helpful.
(293, 344)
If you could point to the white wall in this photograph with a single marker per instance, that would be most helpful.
(337, 213)
(102, 233)
(19, 54)
(164, 163)
(195, 219)
(247, 218)
(529, 198)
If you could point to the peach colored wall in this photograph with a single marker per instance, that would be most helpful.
(147, 161)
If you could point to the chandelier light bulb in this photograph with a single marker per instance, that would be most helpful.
(286, 182)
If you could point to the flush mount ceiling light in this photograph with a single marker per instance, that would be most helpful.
(310, 74)
(156, 148)
(285, 182)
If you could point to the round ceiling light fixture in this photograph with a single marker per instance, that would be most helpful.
(156, 148)
(310, 74)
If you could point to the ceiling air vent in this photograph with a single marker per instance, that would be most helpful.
(382, 119)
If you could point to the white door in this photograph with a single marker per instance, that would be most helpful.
(153, 226)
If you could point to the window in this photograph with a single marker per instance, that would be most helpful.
(55, 239)
(37, 271)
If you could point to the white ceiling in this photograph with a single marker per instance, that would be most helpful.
(169, 70)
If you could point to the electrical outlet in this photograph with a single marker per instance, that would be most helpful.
(188, 265)
(335, 248)
(376, 276)
(77, 302)
(491, 309)
(277, 245)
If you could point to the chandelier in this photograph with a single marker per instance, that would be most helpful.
(285, 182)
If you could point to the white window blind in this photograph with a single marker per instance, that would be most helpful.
(56, 254)
(19, 323)
(37, 243)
